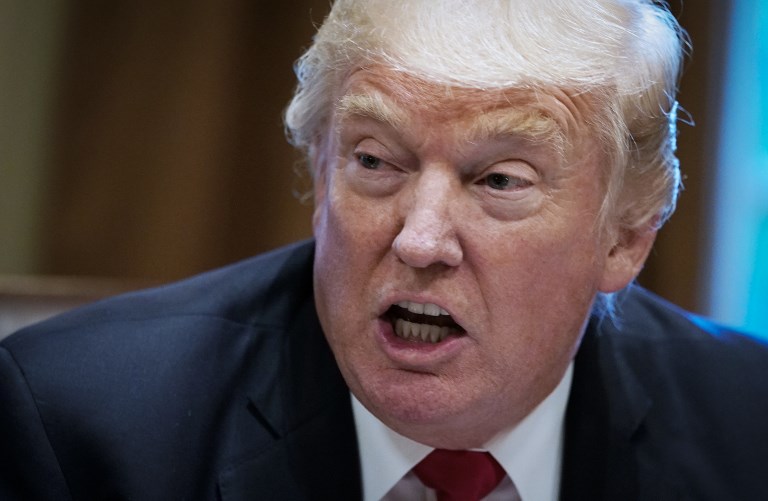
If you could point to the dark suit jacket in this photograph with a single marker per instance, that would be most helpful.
(223, 387)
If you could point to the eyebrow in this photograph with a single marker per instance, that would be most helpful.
(370, 106)
(527, 123)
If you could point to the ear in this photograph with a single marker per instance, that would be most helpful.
(626, 258)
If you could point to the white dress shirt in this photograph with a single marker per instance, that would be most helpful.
(530, 453)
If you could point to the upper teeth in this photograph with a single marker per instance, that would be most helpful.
(423, 308)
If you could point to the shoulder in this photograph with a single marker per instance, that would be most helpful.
(680, 355)
(705, 383)
(260, 291)
(688, 395)
(197, 331)
(166, 380)
(650, 330)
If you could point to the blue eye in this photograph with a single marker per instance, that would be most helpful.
(369, 161)
(497, 181)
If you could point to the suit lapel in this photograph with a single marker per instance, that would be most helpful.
(604, 423)
(306, 406)
(316, 461)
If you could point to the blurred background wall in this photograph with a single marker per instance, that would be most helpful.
(142, 139)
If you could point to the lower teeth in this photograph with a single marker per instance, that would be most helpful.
(420, 332)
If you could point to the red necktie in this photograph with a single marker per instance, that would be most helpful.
(459, 475)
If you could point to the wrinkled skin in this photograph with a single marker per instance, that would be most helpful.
(497, 228)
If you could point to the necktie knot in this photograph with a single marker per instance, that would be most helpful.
(459, 475)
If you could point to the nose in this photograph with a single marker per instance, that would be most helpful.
(428, 235)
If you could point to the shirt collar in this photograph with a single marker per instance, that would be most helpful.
(531, 452)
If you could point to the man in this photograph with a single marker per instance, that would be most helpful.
(489, 179)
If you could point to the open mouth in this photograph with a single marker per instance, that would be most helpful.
(422, 322)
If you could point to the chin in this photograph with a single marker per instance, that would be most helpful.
(418, 407)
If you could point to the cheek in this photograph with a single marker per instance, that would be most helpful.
(352, 236)
(542, 281)
(358, 225)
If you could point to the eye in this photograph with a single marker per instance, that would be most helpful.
(499, 181)
(368, 161)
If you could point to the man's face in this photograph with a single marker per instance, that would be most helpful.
(458, 253)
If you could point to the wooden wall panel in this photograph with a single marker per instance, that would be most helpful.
(677, 265)
(170, 156)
